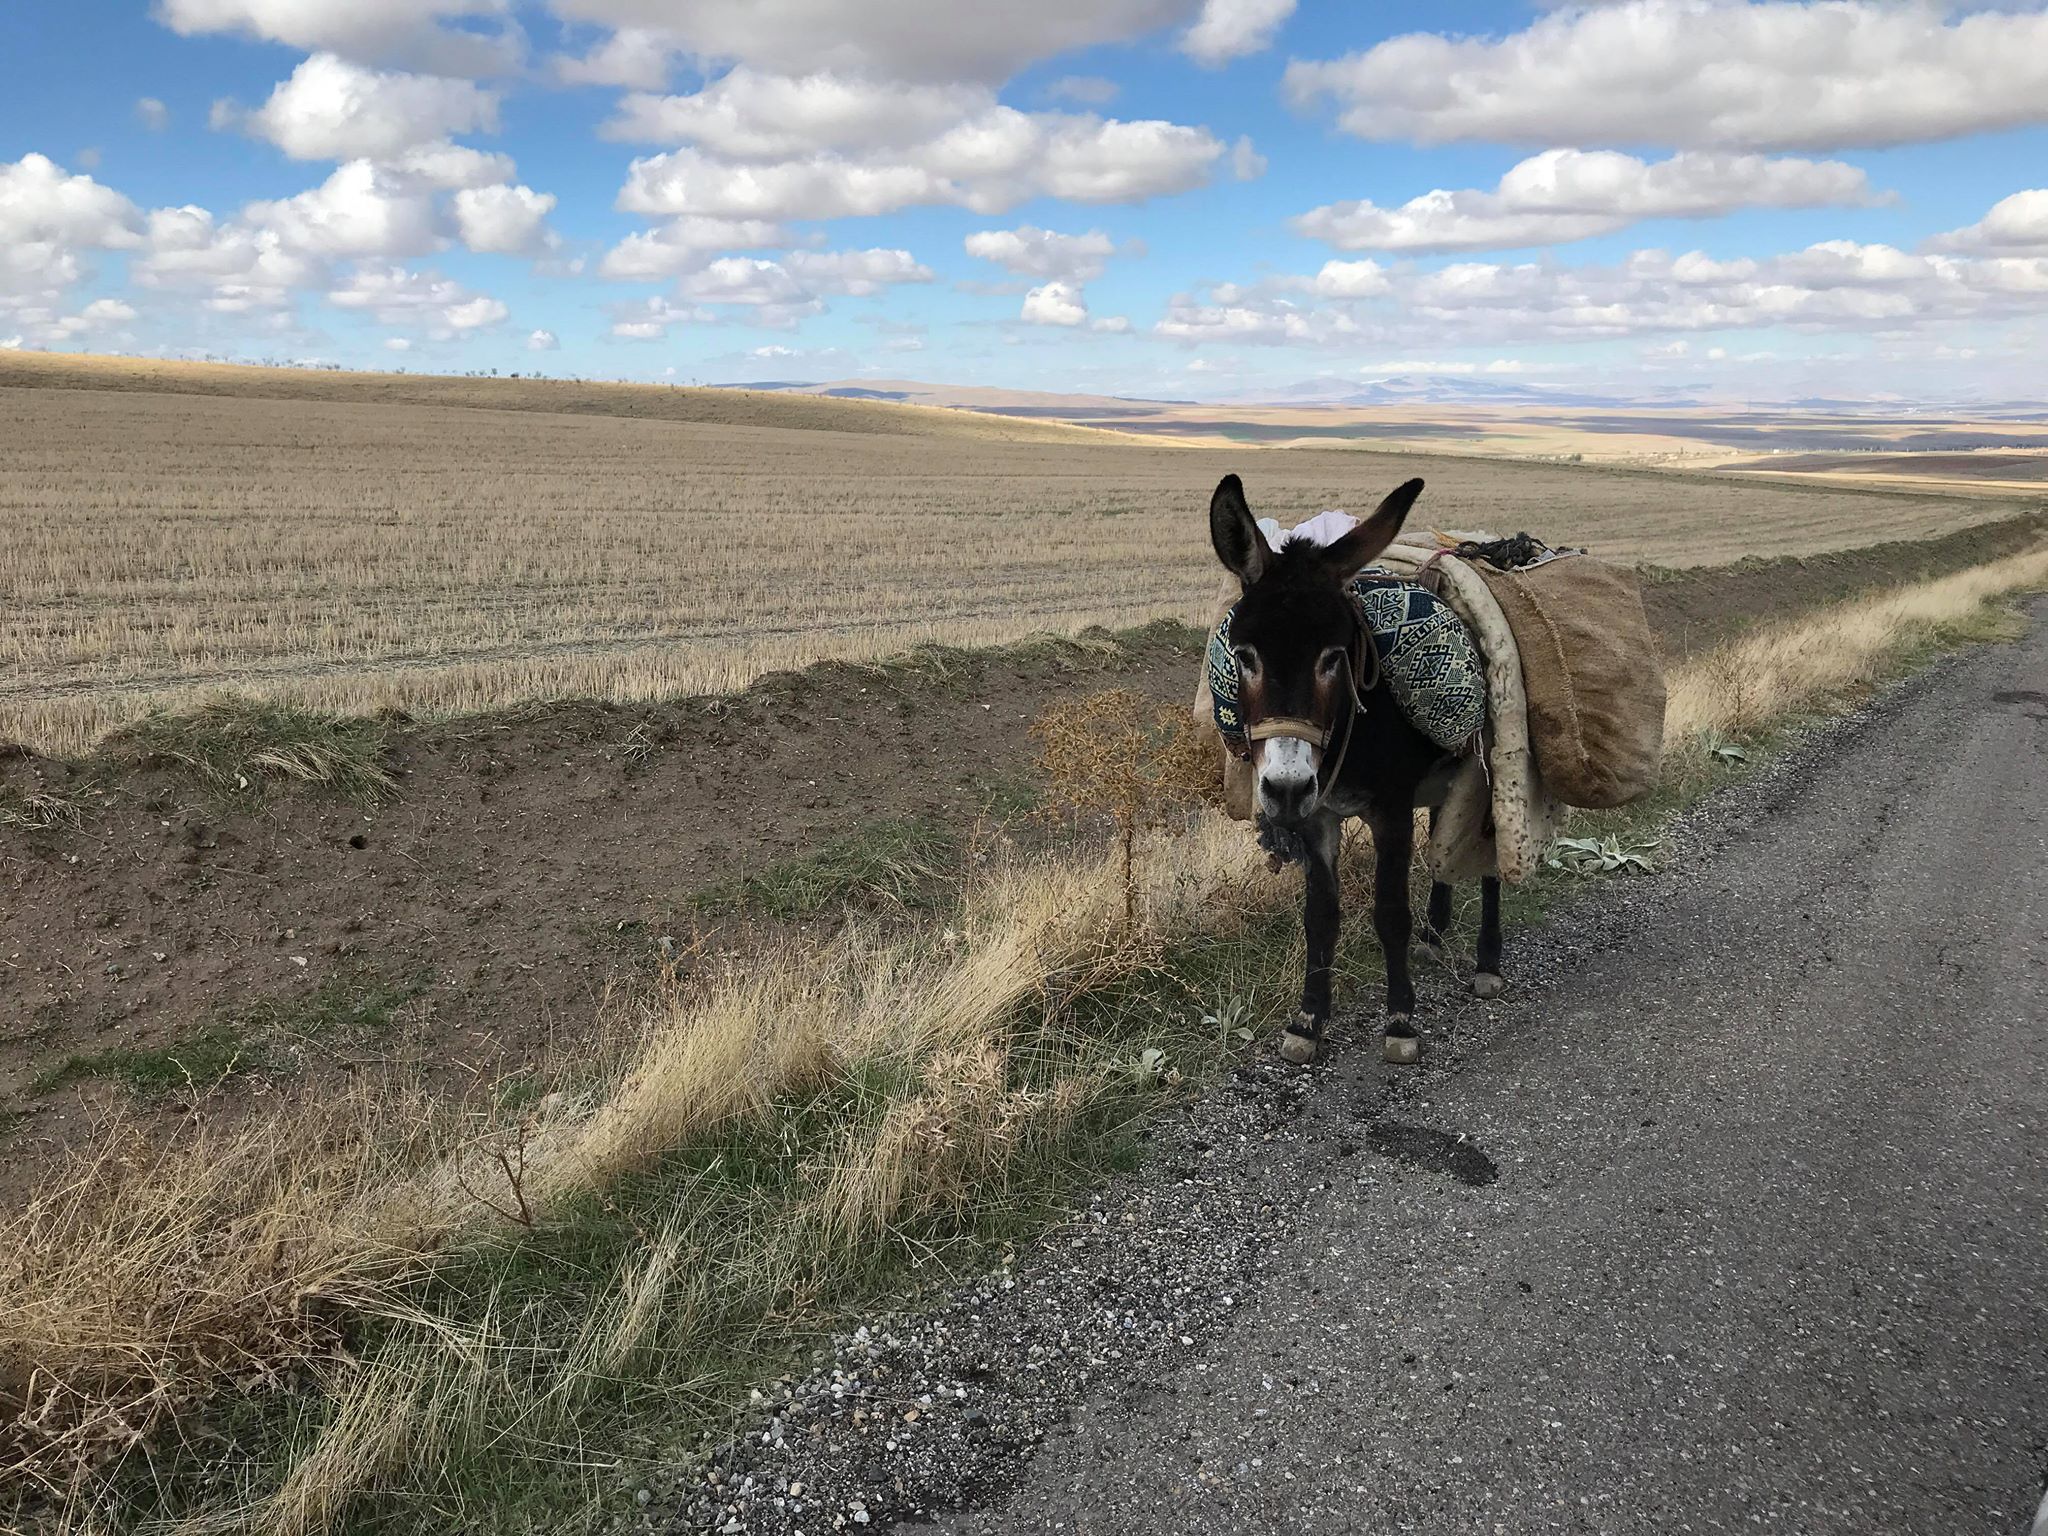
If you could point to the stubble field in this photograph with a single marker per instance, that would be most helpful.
(357, 542)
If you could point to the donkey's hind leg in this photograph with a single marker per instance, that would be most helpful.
(1486, 978)
(1436, 926)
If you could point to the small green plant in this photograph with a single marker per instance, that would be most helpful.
(1600, 856)
(904, 863)
(1232, 1021)
(341, 1006)
(200, 1060)
(237, 746)
(259, 1037)
(1722, 749)
(1154, 1070)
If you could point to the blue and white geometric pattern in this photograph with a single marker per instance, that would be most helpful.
(1426, 652)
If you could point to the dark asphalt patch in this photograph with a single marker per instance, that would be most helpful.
(1448, 1152)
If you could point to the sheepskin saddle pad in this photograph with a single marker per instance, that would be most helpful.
(1425, 653)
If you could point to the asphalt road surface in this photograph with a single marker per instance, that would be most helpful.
(1737, 1222)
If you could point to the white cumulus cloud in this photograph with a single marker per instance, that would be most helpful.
(635, 58)
(506, 220)
(1835, 285)
(42, 202)
(361, 209)
(777, 292)
(1715, 74)
(332, 109)
(401, 296)
(1230, 29)
(650, 319)
(542, 341)
(48, 217)
(749, 114)
(409, 32)
(1033, 252)
(2016, 225)
(1054, 304)
(1564, 195)
(988, 162)
(901, 40)
(686, 242)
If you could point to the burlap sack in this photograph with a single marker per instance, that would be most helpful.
(1594, 679)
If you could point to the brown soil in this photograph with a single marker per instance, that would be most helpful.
(530, 862)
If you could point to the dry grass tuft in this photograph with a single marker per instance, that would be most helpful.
(1836, 655)
(1124, 756)
(144, 1279)
(235, 744)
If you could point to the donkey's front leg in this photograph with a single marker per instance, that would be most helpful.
(1320, 917)
(1486, 980)
(1393, 841)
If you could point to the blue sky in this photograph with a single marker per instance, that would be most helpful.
(1183, 198)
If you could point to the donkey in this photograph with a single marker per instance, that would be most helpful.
(1330, 742)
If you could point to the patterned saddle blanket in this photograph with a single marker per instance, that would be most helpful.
(1426, 654)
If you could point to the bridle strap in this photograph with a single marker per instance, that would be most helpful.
(1354, 697)
(1293, 727)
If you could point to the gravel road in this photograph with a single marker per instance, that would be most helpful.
(1733, 1216)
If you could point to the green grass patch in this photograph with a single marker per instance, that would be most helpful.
(199, 1060)
(340, 1007)
(267, 1037)
(906, 864)
(240, 747)
(1010, 797)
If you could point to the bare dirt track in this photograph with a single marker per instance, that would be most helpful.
(531, 861)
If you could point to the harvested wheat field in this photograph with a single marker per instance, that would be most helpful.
(357, 542)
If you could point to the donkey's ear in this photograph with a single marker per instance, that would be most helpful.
(1365, 543)
(1235, 532)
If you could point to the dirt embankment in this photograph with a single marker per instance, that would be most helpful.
(529, 863)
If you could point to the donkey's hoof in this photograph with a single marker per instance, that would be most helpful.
(1298, 1047)
(1430, 950)
(1487, 985)
(1401, 1045)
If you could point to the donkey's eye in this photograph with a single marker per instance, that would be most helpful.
(1247, 660)
(1329, 662)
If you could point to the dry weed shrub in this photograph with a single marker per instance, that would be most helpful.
(1124, 756)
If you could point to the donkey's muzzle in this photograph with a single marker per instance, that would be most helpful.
(1287, 776)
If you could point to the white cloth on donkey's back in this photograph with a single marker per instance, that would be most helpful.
(1322, 530)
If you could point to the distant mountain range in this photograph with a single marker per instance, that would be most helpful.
(1391, 390)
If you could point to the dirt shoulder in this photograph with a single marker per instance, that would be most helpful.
(528, 864)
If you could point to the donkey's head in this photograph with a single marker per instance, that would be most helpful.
(1296, 638)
